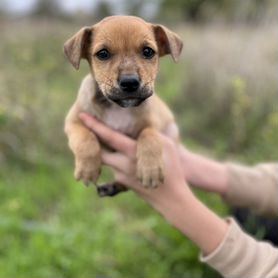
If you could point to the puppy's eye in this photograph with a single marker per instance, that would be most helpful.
(103, 54)
(148, 52)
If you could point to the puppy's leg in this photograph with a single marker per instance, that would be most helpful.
(110, 189)
(85, 147)
(149, 158)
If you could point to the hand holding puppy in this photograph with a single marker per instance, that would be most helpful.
(173, 199)
(123, 163)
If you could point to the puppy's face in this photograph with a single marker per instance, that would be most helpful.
(123, 53)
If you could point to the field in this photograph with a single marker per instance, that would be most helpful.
(223, 93)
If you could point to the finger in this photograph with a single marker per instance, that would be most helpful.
(114, 139)
(129, 182)
(118, 161)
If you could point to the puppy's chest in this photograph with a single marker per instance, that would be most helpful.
(122, 120)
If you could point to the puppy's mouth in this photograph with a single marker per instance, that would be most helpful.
(128, 102)
(125, 100)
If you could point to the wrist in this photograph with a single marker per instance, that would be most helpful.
(204, 173)
(190, 166)
(195, 220)
(169, 203)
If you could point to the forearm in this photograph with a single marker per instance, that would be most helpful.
(225, 247)
(203, 172)
(194, 220)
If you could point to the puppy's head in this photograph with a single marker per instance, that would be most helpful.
(123, 53)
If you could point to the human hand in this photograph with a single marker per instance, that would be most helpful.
(173, 199)
(123, 164)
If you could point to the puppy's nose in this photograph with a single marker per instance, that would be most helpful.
(129, 83)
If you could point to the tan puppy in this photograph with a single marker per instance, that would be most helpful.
(123, 54)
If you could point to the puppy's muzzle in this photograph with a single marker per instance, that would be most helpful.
(130, 92)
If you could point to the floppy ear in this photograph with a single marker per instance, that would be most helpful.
(168, 42)
(76, 47)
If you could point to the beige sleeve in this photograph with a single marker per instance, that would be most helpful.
(240, 255)
(253, 187)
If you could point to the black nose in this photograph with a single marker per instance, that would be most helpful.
(129, 83)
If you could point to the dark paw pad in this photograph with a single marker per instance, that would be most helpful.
(107, 190)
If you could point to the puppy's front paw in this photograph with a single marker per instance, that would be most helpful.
(87, 169)
(150, 172)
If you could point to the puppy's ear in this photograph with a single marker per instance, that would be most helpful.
(168, 42)
(76, 47)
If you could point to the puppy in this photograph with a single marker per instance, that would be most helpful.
(123, 54)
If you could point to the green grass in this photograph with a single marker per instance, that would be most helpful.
(52, 226)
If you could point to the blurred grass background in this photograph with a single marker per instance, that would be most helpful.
(223, 92)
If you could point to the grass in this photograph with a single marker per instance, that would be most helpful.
(52, 226)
